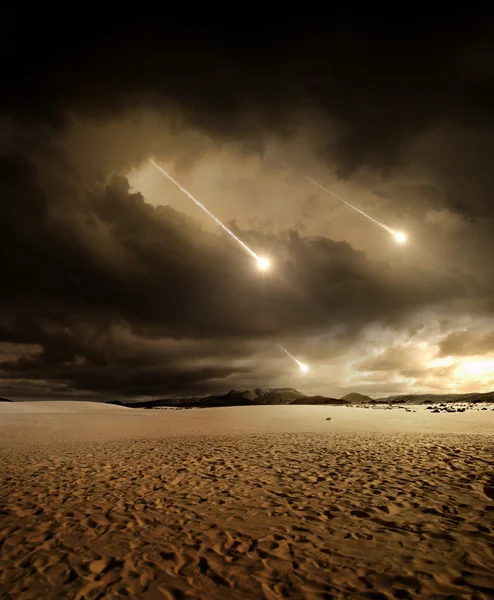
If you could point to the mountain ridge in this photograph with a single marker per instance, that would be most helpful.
(250, 397)
(291, 396)
(473, 397)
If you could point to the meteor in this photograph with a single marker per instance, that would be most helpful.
(302, 366)
(399, 236)
(262, 263)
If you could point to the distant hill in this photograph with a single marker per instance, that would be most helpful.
(437, 398)
(355, 398)
(286, 396)
(5, 400)
(278, 396)
(314, 400)
(252, 397)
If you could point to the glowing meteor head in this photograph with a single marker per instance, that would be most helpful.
(303, 367)
(400, 237)
(263, 264)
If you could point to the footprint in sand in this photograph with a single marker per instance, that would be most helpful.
(489, 489)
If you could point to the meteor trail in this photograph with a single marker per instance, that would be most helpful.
(399, 236)
(262, 263)
(302, 366)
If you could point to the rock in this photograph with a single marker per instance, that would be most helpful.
(98, 566)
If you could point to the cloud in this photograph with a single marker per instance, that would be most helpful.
(379, 86)
(391, 359)
(113, 284)
(82, 260)
(467, 343)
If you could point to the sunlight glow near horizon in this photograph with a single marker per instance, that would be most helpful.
(474, 368)
(465, 371)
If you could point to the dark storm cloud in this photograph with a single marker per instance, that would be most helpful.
(459, 161)
(467, 343)
(380, 79)
(103, 284)
(110, 249)
(123, 377)
(392, 359)
(78, 262)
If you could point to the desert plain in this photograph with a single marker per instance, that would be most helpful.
(102, 501)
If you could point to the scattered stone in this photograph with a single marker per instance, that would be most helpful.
(98, 566)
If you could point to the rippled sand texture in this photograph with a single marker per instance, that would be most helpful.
(323, 515)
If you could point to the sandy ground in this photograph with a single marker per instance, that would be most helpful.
(259, 502)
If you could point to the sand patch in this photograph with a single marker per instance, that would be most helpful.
(323, 514)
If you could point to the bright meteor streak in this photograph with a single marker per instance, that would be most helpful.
(400, 237)
(302, 366)
(263, 263)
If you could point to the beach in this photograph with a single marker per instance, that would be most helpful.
(102, 501)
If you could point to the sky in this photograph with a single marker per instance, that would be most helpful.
(115, 285)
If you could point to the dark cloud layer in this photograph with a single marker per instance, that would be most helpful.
(111, 295)
(467, 342)
(381, 78)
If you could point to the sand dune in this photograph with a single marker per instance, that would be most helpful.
(100, 501)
